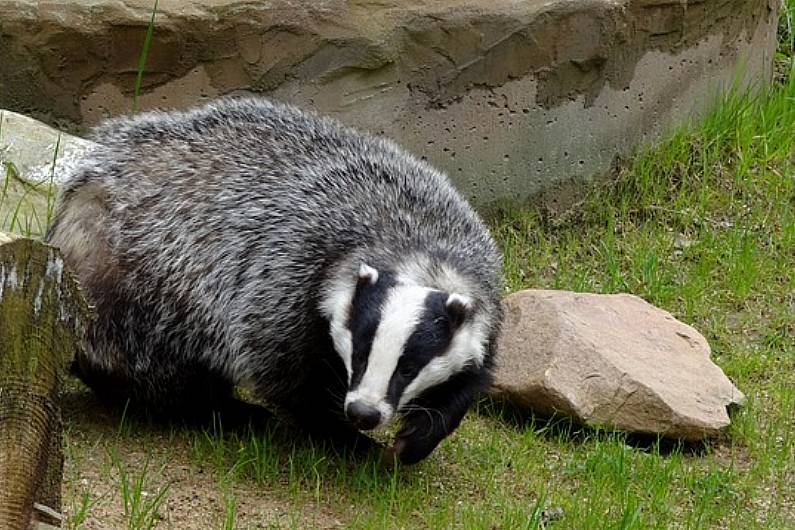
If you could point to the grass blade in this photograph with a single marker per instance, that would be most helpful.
(142, 58)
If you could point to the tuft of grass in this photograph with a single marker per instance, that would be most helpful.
(786, 37)
(50, 187)
(230, 507)
(141, 506)
(80, 497)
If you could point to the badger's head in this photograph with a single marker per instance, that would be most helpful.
(411, 352)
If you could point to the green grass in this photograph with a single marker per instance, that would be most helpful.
(140, 506)
(701, 224)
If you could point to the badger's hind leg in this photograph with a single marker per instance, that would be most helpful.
(161, 372)
(123, 361)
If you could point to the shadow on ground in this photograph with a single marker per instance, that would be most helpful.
(237, 418)
(559, 428)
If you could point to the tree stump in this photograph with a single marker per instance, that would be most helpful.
(42, 317)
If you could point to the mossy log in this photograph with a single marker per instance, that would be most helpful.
(42, 316)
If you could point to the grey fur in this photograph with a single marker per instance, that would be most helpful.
(206, 238)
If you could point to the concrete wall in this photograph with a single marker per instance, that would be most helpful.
(510, 98)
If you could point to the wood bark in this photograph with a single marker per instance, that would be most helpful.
(42, 317)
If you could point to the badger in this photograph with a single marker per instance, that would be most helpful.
(249, 243)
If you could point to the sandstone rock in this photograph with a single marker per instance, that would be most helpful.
(509, 98)
(611, 360)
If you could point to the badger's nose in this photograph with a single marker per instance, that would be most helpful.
(363, 416)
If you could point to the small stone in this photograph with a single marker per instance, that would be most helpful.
(551, 514)
(610, 360)
(682, 242)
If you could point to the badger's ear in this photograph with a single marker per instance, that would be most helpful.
(367, 275)
(458, 307)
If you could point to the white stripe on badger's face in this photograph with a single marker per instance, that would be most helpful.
(399, 316)
(335, 306)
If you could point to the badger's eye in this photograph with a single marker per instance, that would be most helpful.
(406, 371)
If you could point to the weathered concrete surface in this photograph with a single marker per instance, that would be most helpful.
(611, 360)
(508, 97)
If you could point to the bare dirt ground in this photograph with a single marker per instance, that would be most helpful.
(99, 446)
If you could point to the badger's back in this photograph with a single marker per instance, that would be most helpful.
(207, 234)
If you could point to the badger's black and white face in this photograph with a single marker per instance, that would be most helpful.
(399, 340)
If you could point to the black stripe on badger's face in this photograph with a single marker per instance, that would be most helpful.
(365, 315)
(430, 338)
(399, 333)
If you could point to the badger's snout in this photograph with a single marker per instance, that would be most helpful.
(363, 416)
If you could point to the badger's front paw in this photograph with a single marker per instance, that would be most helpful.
(434, 416)
(405, 453)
